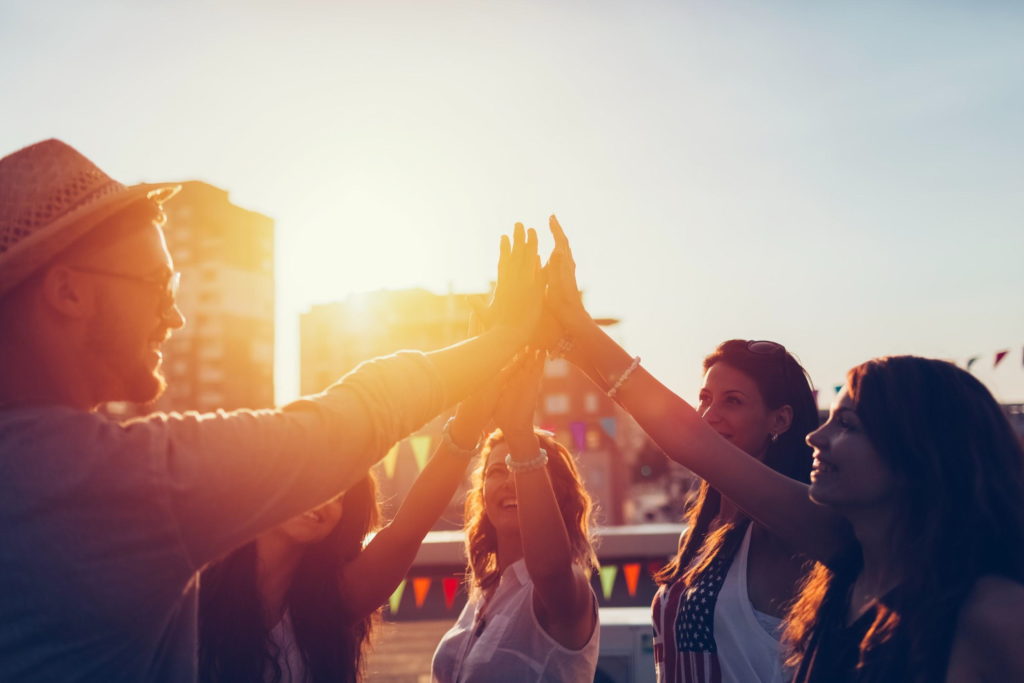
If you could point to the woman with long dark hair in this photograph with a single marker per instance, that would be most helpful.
(914, 510)
(531, 614)
(718, 612)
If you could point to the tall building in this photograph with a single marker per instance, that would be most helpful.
(335, 337)
(224, 356)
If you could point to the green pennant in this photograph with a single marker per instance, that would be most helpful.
(396, 598)
(608, 574)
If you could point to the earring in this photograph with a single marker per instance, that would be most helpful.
(775, 437)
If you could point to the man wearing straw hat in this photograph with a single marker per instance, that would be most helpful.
(103, 525)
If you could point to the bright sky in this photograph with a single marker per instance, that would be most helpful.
(844, 178)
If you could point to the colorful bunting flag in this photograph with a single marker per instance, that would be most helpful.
(971, 361)
(420, 587)
(390, 460)
(608, 574)
(632, 573)
(396, 598)
(653, 567)
(1000, 355)
(421, 450)
(579, 434)
(451, 587)
(593, 439)
(609, 425)
(839, 387)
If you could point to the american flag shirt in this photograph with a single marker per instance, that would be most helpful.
(684, 633)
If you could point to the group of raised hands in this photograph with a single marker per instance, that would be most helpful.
(542, 303)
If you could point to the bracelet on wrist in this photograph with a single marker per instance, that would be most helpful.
(454, 448)
(623, 377)
(518, 466)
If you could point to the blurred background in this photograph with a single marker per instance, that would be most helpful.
(843, 178)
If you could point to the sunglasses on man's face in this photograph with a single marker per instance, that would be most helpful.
(167, 287)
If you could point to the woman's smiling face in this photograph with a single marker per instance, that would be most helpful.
(732, 405)
(848, 472)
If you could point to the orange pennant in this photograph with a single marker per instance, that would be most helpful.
(420, 587)
(632, 574)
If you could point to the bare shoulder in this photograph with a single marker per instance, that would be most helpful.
(990, 630)
(994, 607)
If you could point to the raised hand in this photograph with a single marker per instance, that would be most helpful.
(563, 298)
(518, 400)
(519, 293)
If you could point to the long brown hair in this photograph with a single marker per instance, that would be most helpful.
(960, 470)
(234, 642)
(781, 381)
(573, 501)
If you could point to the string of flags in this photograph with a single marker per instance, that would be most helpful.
(607, 576)
(581, 434)
(997, 358)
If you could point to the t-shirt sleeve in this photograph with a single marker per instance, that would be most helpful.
(232, 475)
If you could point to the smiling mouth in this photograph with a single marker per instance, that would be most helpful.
(509, 504)
(822, 467)
(313, 515)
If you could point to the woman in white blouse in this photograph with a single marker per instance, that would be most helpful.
(532, 614)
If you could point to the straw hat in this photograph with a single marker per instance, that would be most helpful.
(51, 195)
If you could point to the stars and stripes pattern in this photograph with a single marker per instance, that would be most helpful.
(684, 627)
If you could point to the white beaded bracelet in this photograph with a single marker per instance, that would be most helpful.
(454, 448)
(516, 466)
(623, 377)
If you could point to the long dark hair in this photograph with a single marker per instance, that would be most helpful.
(960, 470)
(781, 381)
(573, 501)
(234, 643)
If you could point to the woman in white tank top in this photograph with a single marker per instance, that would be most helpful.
(716, 613)
(532, 615)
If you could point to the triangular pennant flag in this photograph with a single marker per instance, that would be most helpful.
(632, 573)
(971, 361)
(608, 574)
(420, 449)
(653, 567)
(815, 393)
(390, 460)
(451, 587)
(839, 387)
(609, 425)
(1000, 355)
(396, 598)
(420, 587)
(579, 434)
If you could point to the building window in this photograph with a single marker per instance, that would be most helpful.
(591, 402)
(556, 367)
(556, 404)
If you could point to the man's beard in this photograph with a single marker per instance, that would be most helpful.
(121, 374)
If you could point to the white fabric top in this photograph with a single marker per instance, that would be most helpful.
(747, 651)
(289, 657)
(510, 645)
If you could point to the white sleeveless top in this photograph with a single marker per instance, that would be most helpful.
(289, 657)
(510, 645)
(743, 646)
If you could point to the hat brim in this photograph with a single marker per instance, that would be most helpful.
(34, 252)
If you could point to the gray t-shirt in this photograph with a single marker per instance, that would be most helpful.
(103, 525)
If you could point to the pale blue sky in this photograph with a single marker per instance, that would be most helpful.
(841, 177)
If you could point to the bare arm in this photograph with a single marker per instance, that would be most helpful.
(776, 501)
(373, 575)
(562, 594)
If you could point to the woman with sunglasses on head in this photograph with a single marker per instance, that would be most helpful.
(532, 614)
(914, 510)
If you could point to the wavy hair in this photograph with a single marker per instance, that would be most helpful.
(573, 502)
(781, 380)
(960, 472)
(234, 642)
